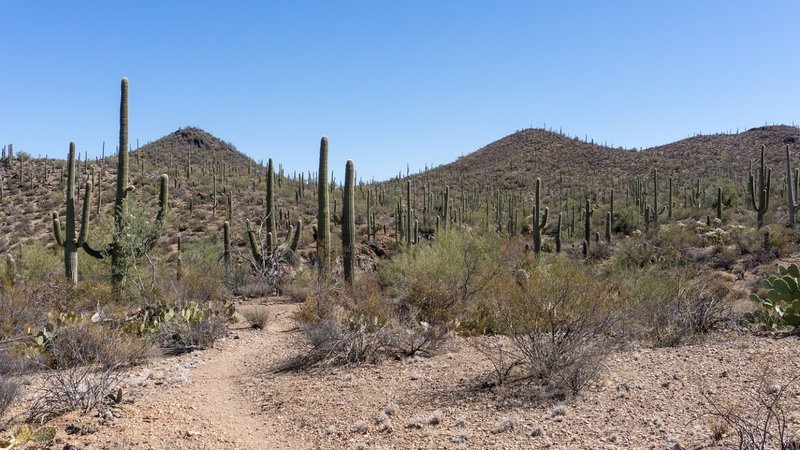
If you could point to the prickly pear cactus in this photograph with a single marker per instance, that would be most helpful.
(782, 302)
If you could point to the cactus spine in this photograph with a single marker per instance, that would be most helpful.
(761, 203)
(323, 211)
(69, 241)
(539, 224)
(349, 223)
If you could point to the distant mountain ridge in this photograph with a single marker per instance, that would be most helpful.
(515, 161)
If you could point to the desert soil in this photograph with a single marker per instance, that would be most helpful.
(229, 398)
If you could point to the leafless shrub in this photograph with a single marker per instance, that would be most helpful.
(8, 393)
(178, 336)
(85, 343)
(79, 388)
(501, 353)
(328, 344)
(562, 323)
(422, 339)
(761, 421)
(697, 309)
(257, 317)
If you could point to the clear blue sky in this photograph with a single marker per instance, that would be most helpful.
(393, 82)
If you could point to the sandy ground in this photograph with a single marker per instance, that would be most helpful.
(228, 398)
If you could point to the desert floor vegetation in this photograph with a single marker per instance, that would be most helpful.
(466, 306)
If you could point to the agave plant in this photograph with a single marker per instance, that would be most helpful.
(782, 301)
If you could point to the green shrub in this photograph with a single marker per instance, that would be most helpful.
(563, 322)
(438, 282)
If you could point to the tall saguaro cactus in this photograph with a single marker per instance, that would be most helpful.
(323, 210)
(538, 224)
(349, 223)
(69, 240)
(123, 252)
(587, 227)
(759, 196)
(271, 210)
(793, 204)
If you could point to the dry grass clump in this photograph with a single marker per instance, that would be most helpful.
(77, 388)
(257, 317)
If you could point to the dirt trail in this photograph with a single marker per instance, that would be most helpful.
(226, 398)
(208, 410)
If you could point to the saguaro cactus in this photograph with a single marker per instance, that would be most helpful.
(558, 235)
(122, 252)
(226, 244)
(323, 210)
(296, 237)
(793, 205)
(408, 218)
(759, 196)
(538, 224)
(349, 223)
(70, 241)
(587, 225)
(271, 211)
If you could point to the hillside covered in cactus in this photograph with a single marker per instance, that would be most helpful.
(195, 160)
(516, 160)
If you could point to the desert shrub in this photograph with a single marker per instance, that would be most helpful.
(39, 263)
(330, 343)
(562, 323)
(671, 238)
(671, 306)
(301, 286)
(327, 343)
(8, 393)
(203, 274)
(80, 388)
(628, 221)
(631, 252)
(780, 239)
(747, 240)
(436, 282)
(257, 317)
(194, 327)
(419, 339)
(83, 343)
(759, 419)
